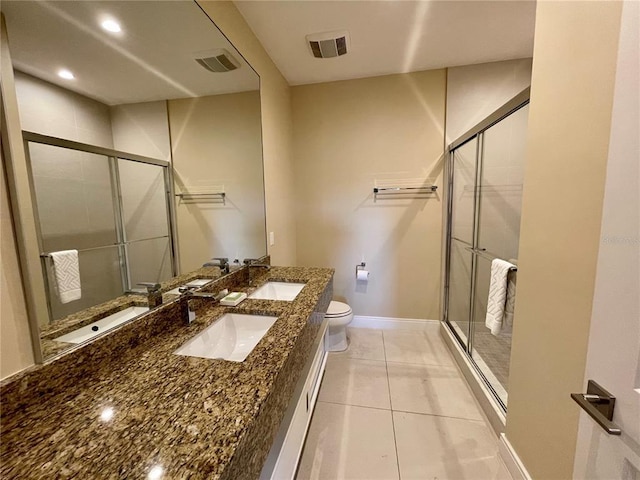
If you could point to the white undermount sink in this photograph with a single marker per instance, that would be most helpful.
(232, 337)
(198, 282)
(103, 325)
(278, 291)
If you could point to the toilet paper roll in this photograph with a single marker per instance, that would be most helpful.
(362, 275)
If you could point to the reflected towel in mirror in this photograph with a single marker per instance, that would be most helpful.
(66, 268)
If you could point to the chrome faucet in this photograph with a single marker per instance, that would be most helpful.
(221, 262)
(188, 312)
(154, 295)
(251, 264)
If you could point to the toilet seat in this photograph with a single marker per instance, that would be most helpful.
(338, 309)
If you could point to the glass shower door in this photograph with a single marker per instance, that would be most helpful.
(486, 178)
(500, 181)
(462, 231)
(74, 198)
(145, 217)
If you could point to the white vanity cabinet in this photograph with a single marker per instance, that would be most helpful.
(287, 448)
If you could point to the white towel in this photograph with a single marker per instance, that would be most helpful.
(510, 303)
(497, 314)
(67, 275)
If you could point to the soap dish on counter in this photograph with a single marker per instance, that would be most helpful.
(233, 299)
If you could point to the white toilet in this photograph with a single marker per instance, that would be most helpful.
(339, 315)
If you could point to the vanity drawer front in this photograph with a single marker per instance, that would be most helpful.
(291, 449)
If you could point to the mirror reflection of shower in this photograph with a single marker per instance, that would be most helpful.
(112, 210)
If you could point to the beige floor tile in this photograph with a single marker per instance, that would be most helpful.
(349, 443)
(352, 381)
(420, 347)
(432, 389)
(364, 343)
(446, 448)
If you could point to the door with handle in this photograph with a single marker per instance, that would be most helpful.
(613, 358)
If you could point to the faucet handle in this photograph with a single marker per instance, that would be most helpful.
(151, 286)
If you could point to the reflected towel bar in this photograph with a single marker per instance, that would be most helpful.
(214, 194)
(212, 197)
(124, 244)
(48, 254)
(400, 190)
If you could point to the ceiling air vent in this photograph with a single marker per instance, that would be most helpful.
(218, 60)
(328, 44)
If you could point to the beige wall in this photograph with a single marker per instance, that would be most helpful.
(142, 128)
(569, 124)
(216, 148)
(348, 137)
(275, 99)
(476, 91)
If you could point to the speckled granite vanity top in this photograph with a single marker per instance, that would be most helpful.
(125, 405)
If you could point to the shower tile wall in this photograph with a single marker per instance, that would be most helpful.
(51, 110)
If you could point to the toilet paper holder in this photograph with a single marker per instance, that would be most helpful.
(359, 267)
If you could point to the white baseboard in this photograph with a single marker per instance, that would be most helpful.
(390, 323)
(512, 460)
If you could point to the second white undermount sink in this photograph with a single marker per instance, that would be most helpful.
(278, 291)
(103, 325)
(232, 337)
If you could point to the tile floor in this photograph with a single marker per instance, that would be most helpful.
(395, 406)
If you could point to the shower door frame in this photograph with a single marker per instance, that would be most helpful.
(477, 132)
(112, 157)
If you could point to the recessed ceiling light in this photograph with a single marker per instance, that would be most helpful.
(111, 26)
(66, 74)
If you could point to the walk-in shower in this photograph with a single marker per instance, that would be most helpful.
(113, 207)
(485, 173)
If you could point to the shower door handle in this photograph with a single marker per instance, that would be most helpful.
(599, 404)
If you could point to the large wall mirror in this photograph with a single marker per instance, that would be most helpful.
(143, 139)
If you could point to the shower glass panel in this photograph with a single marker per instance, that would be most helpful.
(144, 201)
(149, 260)
(114, 211)
(498, 231)
(486, 174)
(462, 218)
(501, 179)
(146, 227)
(492, 353)
(70, 184)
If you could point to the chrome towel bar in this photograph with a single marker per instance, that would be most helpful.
(401, 190)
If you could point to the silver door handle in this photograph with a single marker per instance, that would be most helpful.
(599, 404)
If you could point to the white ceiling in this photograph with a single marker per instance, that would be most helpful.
(390, 36)
(151, 60)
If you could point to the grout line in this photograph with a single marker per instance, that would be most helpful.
(393, 423)
(344, 357)
(475, 420)
(353, 405)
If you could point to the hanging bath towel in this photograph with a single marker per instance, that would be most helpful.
(498, 295)
(510, 303)
(67, 275)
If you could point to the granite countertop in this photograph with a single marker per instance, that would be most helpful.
(106, 411)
